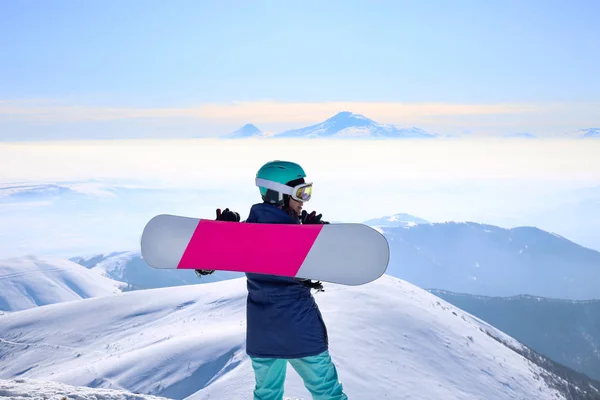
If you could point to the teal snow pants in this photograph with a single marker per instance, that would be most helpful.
(318, 373)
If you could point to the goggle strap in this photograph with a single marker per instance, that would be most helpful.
(276, 186)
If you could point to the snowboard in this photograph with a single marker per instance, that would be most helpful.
(343, 253)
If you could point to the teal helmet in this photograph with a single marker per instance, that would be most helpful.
(278, 174)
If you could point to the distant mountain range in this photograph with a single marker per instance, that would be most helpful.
(588, 133)
(345, 124)
(350, 125)
(489, 260)
(566, 331)
(574, 220)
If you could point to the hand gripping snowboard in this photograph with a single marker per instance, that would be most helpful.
(348, 254)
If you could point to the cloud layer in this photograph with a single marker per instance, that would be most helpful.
(440, 117)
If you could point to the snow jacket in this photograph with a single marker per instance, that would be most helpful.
(283, 319)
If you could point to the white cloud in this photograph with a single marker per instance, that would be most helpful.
(492, 181)
(220, 163)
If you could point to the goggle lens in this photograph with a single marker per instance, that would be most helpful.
(304, 193)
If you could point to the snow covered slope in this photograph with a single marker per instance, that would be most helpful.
(350, 125)
(27, 282)
(129, 267)
(389, 339)
(32, 389)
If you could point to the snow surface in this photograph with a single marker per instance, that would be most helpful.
(389, 339)
(27, 389)
(27, 282)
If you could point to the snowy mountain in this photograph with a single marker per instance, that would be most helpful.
(585, 133)
(396, 220)
(129, 267)
(389, 339)
(28, 282)
(566, 331)
(488, 260)
(246, 131)
(350, 125)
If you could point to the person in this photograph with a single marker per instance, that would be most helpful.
(284, 323)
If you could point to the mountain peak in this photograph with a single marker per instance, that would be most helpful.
(349, 115)
(349, 124)
(248, 130)
(347, 119)
(396, 220)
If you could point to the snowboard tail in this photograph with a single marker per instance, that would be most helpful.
(350, 254)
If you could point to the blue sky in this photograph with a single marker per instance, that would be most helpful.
(73, 69)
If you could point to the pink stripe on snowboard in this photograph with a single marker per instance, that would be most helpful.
(267, 249)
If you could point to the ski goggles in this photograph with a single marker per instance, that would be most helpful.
(302, 192)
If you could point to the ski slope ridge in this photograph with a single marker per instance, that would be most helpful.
(389, 339)
(27, 282)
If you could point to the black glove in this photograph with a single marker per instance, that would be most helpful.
(311, 218)
(317, 285)
(201, 272)
(227, 215)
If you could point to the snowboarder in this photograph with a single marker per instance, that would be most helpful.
(284, 323)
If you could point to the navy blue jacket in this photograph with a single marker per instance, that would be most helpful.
(283, 320)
